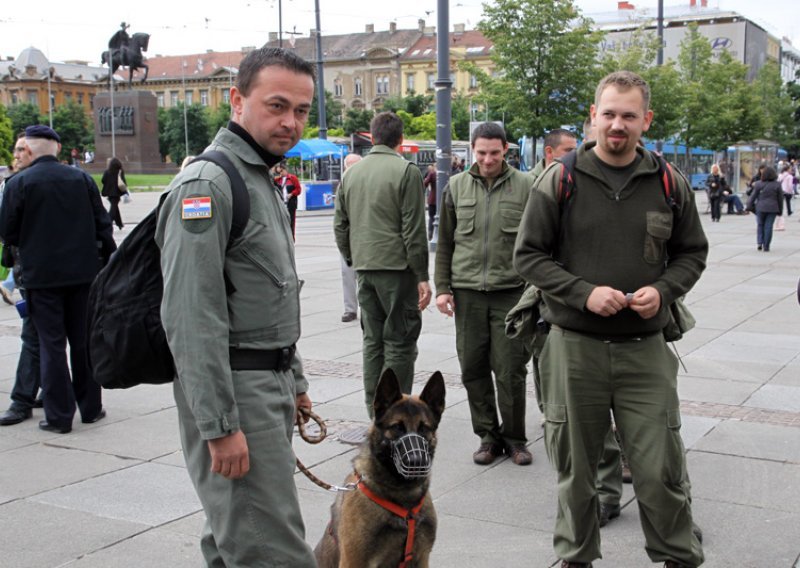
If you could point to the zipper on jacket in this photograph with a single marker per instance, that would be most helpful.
(486, 239)
(264, 269)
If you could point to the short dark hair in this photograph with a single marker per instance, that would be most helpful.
(386, 129)
(624, 81)
(769, 174)
(490, 131)
(257, 59)
(553, 138)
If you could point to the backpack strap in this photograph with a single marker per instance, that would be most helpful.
(240, 199)
(566, 184)
(667, 176)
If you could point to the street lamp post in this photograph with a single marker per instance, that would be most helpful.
(443, 85)
(322, 119)
(111, 94)
(185, 120)
(49, 95)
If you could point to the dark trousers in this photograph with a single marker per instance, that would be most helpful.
(26, 384)
(291, 205)
(716, 208)
(113, 211)
(764, 223)
(788, 203)
(60, 316)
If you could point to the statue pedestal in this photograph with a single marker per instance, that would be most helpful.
(135, 117)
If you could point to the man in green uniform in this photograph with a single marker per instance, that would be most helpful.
(475, 280)
(609, 269)
(558, 142)
(232, 316)
(379, 225)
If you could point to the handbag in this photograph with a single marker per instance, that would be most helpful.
(123, 187)
(680, 321)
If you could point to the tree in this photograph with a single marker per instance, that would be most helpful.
(333, 112)
(72, 125)
(694, 59)
(423, 127)
(217, 118)
(23, 115)
(413, 104)
(778, 106)
(7, 137)
(460, 116)
(357, 120)
(174, 137)
(545, 52)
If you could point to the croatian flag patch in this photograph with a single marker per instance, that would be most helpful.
(196, 208)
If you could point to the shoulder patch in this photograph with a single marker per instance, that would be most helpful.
(196, 208)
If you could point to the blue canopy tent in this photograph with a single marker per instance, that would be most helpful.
(318, 195)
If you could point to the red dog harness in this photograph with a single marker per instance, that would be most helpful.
(409, 515)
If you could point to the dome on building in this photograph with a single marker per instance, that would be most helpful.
(32, 56)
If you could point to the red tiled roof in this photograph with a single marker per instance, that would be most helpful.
(472, 40)
(197, 65)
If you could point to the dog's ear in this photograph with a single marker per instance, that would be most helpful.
(433, 395)
(386, 393)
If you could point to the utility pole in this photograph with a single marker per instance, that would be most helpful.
(660, 56)
(111, 94)
(323, 121)
(443, 86)
(185, 119)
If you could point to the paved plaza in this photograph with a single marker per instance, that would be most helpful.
(116, 493)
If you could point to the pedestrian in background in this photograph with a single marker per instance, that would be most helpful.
(349, 277)
(717, 187)
(767, 201)
(430, 186)
(379, 225)
(290, 188)
(114, 187)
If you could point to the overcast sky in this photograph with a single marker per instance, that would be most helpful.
(80, 30)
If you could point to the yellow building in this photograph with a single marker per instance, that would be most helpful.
(31, 77)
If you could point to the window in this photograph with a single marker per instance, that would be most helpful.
(358, 91)
(382, 85)
(67, 96)
(14, 97)
(187, 97)
(173, 98)
(33, 97)
(226, 95)
(337, 88)
(473, 81)
(80, 99)
(431, 81)
(409, 82)
(204, 98)
(91, 101)
(160, 98)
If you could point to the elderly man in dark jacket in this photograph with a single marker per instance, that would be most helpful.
(53, 213)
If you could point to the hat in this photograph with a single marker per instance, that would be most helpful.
(42, 131)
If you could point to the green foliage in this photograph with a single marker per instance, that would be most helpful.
(333, 111)
(73, 127)
(460, 117)
(667, 100)
(217, 118)
(7, 137)
(415, 105)
(778, 105)
(545, 52)
(174, 138)
(163, 147)
(357, 121)
(423, 127)
(23, 115)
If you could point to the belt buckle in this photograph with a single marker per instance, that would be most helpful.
(285, 358)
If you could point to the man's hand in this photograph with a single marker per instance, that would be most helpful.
(424, 290)
(605, 301)
(646, 302)
(303, 401)
(229, 455)
(446, 304)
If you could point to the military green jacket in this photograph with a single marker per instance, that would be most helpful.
(379, 220)
(477, 230)
(537, 170)
(200, 319)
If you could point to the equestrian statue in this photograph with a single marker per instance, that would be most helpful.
(126, 51)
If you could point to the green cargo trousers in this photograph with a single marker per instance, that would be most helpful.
(609, 471)
(255, 521)
(582, 378)
(391, 324)
(483, 347)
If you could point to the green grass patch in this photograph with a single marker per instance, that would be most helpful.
(142, 182)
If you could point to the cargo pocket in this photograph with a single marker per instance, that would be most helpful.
(510, 219)
(674, 465)
(465, 216)
(556, 436)
(659, 229)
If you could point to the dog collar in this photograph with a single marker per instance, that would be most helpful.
(409, 515)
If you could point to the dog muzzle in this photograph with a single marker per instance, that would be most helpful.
(412, 456)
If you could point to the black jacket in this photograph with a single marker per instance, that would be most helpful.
(53, 213)
(110, 183)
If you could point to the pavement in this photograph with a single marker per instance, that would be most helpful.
(116, 493)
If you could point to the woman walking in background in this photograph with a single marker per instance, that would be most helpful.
(114, 187)
(717, 186)
(767, 197)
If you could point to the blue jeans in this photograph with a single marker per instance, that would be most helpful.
(764, 228)
(27, 382)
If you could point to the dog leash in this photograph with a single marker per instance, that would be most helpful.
(303, 414)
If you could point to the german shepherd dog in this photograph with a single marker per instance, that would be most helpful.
(389, 519)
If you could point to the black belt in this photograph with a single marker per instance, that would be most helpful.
(261, 359)
(611, 338)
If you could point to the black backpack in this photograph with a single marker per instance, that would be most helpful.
(127, 342)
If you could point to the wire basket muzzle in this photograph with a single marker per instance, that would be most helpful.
(412, 456)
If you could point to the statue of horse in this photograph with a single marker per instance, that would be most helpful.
(128, 55)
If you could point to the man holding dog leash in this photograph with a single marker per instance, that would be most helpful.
(232, 316)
